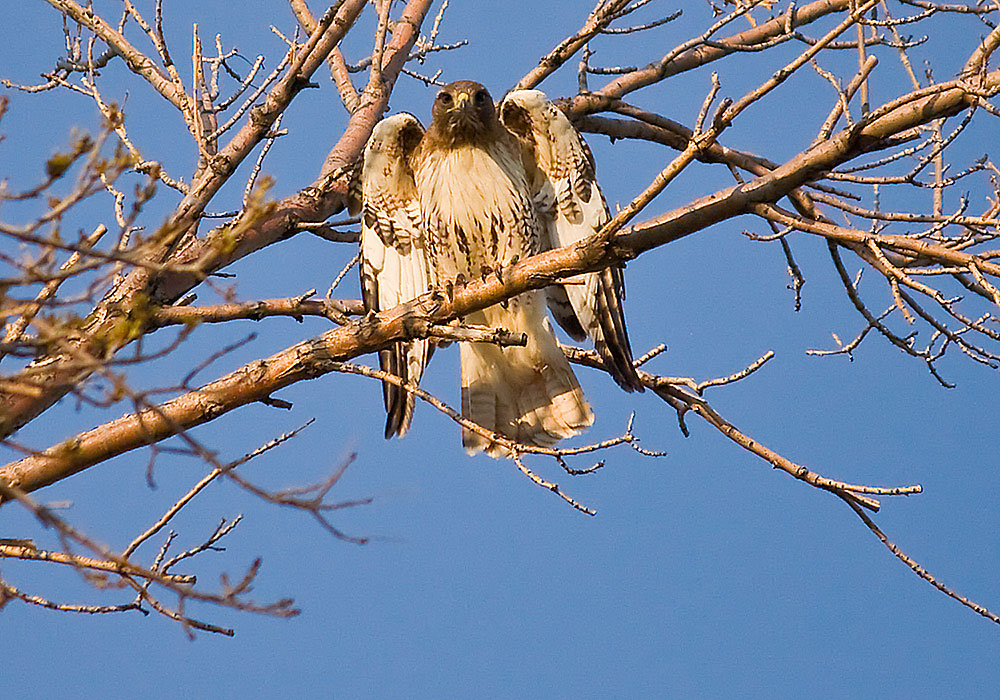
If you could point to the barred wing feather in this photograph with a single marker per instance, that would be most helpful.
(394, 262)
(571, 204)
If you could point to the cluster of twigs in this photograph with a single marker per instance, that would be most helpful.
(105, 569)
(80, 309)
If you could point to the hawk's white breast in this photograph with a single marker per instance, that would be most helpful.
(476, 208)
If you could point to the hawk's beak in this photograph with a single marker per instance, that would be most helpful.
(461, 99)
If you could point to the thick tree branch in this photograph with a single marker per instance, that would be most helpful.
(805, 167)
(295, 307)
(312, 358)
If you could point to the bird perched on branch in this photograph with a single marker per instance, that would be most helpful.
(481, 188)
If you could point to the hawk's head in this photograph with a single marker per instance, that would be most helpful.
(464, 113)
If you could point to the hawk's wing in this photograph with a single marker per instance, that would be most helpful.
(570, 203)
(394, 263)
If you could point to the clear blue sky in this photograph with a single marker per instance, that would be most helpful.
(705, 573)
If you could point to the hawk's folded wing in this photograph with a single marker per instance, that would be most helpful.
(394, 263)
(570, 202)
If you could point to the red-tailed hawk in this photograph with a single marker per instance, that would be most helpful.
(480, 189)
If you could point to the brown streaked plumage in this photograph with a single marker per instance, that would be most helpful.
(395, 266)
(571, 207)
(482, 188)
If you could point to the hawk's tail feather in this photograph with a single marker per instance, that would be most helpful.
(590, 305)
(406, 361)
(612, 342)
(527, 394)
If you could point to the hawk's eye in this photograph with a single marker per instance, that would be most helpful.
(444, 98)
(480, 98)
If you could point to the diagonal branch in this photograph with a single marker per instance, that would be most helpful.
(324, 197)
(138, 62)
(600, 17)
(699, 51)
